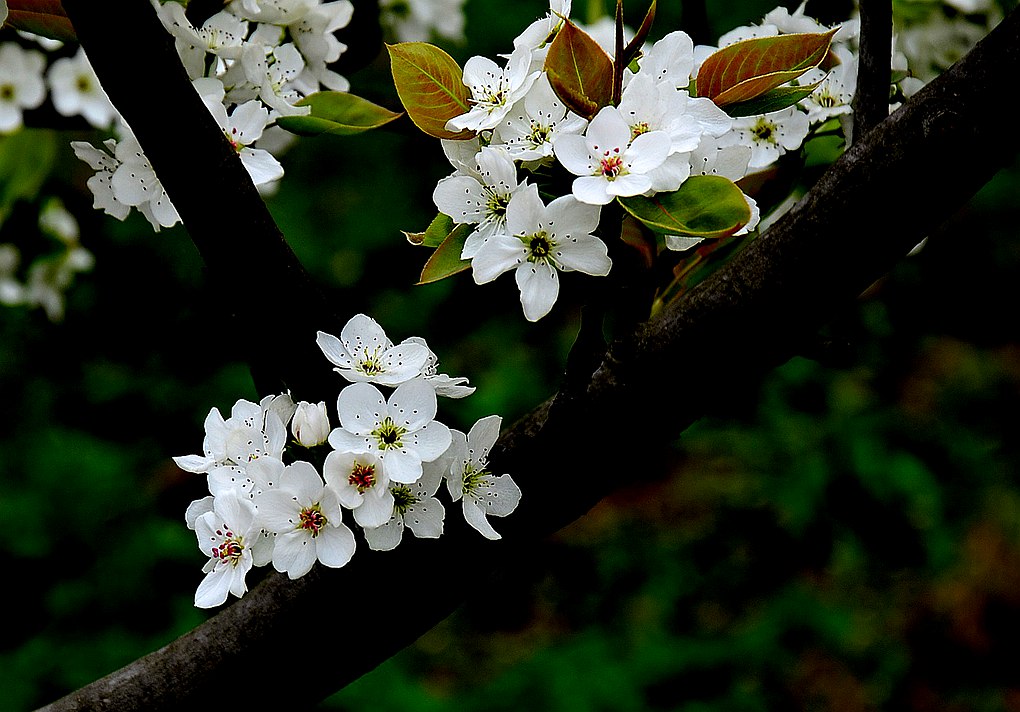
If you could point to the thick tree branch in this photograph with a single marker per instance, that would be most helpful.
(893, 187)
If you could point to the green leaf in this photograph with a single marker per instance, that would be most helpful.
(446, 261)
(773, 100)
(437, 231)
(580, 71)
(26, 159)
(704, 206)
(41, 17)
(748, 69)
(430, 85)
(338, 113)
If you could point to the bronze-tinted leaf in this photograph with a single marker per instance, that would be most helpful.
(748, 69)
(41, 17)
(430, 85)
(580, 71)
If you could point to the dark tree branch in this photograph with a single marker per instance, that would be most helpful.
(895, 185)
(243, 249)
(871, 100)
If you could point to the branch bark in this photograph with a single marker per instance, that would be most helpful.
(891, 188)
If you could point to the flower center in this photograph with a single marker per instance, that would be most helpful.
(496, 205)
(403, 499)
(638, 129)
(362, 477)
(312, 520)
(6, 91)
(388, 434)
(539, 245)
(473, 478)
(763, 131)
(230, 550)
(371, 364)
(611, 164)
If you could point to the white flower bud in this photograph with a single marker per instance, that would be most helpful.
(311, 423)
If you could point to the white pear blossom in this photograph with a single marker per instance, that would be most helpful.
(771, 135)
(537, 36)
(226, 534)
(401, 430)
(607, 162)
(528, 130)
(252, 431)
(134, 183)
(481, 493)
(364, 353)
(273, 74)
(314, 36)
(22, 85)
(305, 515)
(242, 127)
(221, 35)
(414, 507)
(75, 90)
(360, 481)
(445, 385)
(494, 90)
(479, 196)
(539, 242)
(835, 91)
(669, 61)
(101, 182)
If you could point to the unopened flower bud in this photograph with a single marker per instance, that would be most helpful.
(310, 424)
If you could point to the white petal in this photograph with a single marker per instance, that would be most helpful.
(499, 254)
(294, 554)
(376, 508)
(425, 519)
(361, 407)
(584, 253)
(213, 589)
(335, 546)
(539, 285)
(387, 536)
(475, 516)
(483, 436)
(402, 466)
(431, 441)
(333, 349)
(591, 190)
(571, 150)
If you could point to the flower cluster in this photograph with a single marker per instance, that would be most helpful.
(48, 276)
(251, 62)
(537, 158)
(280, 475)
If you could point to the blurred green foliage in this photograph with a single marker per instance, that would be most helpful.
(848, 538)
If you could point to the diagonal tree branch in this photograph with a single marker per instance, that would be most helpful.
(895, 185)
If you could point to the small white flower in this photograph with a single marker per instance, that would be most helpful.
(252, 431)
(479, 197)
(360, 481)
(101, 182)
(401, 430)
(242, 127)
(539, 241)
(494, 90)
(75, 90)
(225, 534)
(771, 135)
(222, 35)
(607, 162)
(445, 385)
(135, 183)
(21, 84)
(305, 516)
(469, 480)
(414, 508)
(310, 425)
(419, 20)
(528, 130)
(364, 353)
